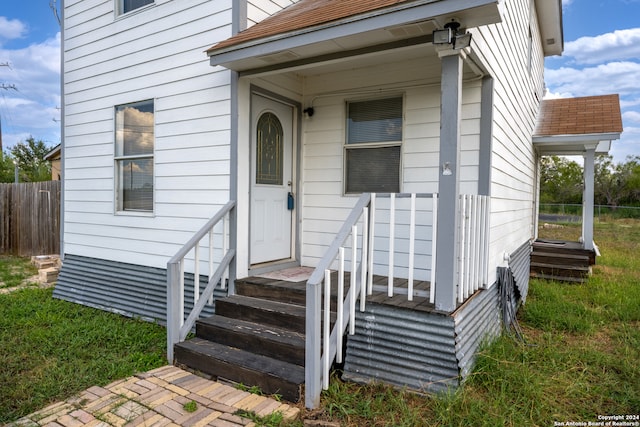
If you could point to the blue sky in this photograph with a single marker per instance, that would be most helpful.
(602, 56)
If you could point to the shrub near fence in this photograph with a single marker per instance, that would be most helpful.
(30, 218)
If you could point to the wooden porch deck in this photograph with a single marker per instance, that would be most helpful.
(420, 300)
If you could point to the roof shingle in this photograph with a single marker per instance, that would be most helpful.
(305, 14)
(580, 116)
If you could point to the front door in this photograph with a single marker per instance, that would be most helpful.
(271, 180)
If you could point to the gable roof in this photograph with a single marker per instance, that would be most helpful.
(585, 120)
(312, 28)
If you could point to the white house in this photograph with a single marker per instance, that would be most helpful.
(281, 117)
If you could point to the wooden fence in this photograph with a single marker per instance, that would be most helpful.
(30, 218)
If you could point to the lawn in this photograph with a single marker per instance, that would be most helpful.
(52, 349)
(580, 357)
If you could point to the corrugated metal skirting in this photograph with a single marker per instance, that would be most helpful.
(422, 351)
(404, 348)
(477, 321)
(127, 289)
(520, 265)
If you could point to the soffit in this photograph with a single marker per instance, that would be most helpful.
(550, 21)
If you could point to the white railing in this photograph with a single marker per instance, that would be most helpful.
(177, 326)
(473, 269)
(357, 248)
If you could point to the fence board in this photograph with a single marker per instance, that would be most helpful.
(30, 218)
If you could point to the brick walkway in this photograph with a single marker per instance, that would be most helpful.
(157, 398)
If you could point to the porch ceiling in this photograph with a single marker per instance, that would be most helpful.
(571, 126)
(313, 31)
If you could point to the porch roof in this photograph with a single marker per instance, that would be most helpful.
(573, 125)
(312, 31)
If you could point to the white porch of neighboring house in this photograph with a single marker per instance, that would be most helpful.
(442, 205)
(584, 127)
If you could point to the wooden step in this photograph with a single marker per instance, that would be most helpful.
(266, 340)
(559, 258)
(281, 291)
(560, 270)
(263, 312)
(271, 375)
(557, 278)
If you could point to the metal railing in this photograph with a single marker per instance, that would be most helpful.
(177, 327)
(353, 250)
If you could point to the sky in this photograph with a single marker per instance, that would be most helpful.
(601, 56)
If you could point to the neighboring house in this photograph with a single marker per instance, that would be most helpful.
(287, 126)
(54, 157)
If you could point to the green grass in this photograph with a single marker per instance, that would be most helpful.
(14, 270)
(581, 357)
(52, 349)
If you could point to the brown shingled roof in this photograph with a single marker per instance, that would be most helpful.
(580, 116)
(305, 14)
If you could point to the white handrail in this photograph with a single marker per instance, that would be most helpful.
(177, 327)
(323, 345)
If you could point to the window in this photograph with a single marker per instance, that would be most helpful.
(269, 156)
(373, 143)
(134, 156)
(129, 5)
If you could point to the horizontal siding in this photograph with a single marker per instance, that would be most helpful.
(123, 288)
(517, 93)
(147, 54)
(325, 206)
(257, 10)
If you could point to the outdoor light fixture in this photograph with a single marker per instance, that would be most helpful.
(449, 35)
(444, 36)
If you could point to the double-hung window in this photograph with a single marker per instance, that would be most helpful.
(373, 146)
(134, 156)
(125, 6)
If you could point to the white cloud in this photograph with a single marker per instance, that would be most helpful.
(631, 116)
(618, 45)
(31, 110)
(11, 29)
(613, 77)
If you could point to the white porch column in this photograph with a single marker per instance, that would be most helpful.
(587, 199)
(449, 180)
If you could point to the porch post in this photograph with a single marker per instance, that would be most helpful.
(587, 199)
(449, 180)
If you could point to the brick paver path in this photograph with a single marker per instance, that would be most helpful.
(158, 398)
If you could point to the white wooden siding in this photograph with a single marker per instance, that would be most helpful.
(257, 10)
(324, 205)
(504, 49)
(156, 53)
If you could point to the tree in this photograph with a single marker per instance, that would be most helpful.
(30, 155)
(7, 168)
(560, 180)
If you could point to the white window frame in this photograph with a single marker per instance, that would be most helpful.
(120, 158)
(372, 145)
